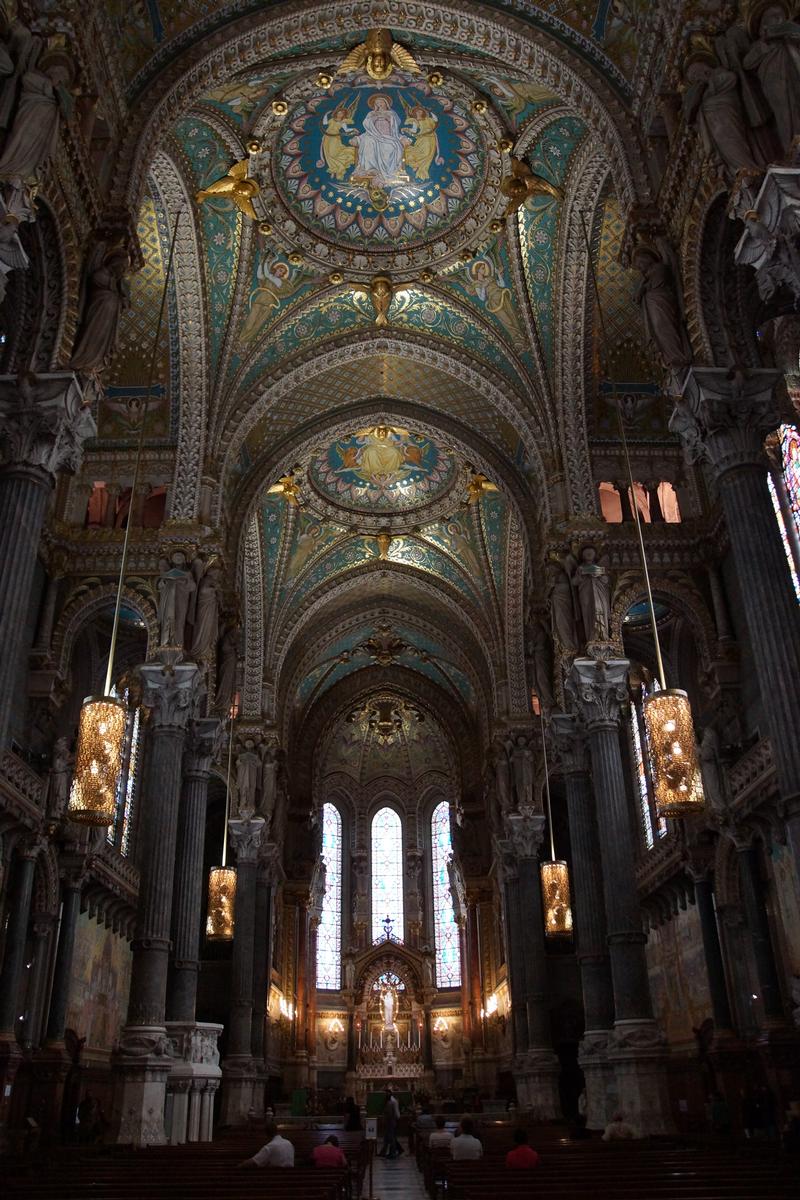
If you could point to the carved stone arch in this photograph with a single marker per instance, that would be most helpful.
(388, 956)
(193, 367)
(39, 296)
(46, 889)
(684, 599)
(727, 881)
(78, 612)
(241, 43)
(574, 307)
(342, 353)
(694, 284)
(726, 296)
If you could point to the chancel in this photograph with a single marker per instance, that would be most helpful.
(400, 592)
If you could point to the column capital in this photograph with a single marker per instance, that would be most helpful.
(524, 832)
(44, 421)
(569, 738)
(170, 694)
(246, 838)
(599, 688)
(724, 416)
(202, 745)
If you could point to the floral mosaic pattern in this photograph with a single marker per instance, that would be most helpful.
(382, 469)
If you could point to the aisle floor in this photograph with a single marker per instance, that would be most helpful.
(396, 1178)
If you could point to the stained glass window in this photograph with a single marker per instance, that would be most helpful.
(387, 873)
(642, 768)
(329, 931)
(119, 833)
(445, 930)
(787, 505)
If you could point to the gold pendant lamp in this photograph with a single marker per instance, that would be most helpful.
(102, 721)
(554, 874)
(221, 909)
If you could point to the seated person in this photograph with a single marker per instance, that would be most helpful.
(441, 1137)
(618, 1129)
(425, 1120)
(465, 1145)
(522, 1156)
(277, 1151)
(329, 1154)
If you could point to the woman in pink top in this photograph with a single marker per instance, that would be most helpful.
(329, 1154)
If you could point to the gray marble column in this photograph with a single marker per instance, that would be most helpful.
(43, 424)
(758, 926)
(199, 754)
(266, 879)
(515, 958)
(72, 879)
(637, 1049)
(712, 952)
(19, 911)
(589, 912)
(723, 419)
(170, 695)
(238, 1067)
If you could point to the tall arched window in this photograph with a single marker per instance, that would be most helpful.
(445, 930)
(387, 873)
(784, 487)
(119, 832)
(329, 931)
(651, 823)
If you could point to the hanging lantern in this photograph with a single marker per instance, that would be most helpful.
(98, 761)
(677, 781)
(556, 899)
(221, 903)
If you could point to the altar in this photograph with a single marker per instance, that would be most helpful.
(389, 1038)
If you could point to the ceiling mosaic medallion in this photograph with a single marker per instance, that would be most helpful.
(373, 167)
(383, 469)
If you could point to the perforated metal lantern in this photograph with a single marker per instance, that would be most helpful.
(221, 904)
(556, 899)
(98, 761)
(677, 782)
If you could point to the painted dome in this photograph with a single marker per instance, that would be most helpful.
(382, 470)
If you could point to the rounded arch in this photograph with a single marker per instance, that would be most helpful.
(42, 295)
(85, 605)
(680, 597)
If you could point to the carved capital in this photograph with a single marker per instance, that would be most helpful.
(525, 830)
(246, 838)
(505, 859)
(569, 738)
(44, 422)
(170, 695)
(269, 863)
(599, 688)
(203, 745)
(723, 417)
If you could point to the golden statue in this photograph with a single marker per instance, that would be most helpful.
(478, 484)
(381, 290)
(378, 56)
(287, 488)
(384, 540)
(234, 186)
(521, 184)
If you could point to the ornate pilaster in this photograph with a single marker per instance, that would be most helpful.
(723, 419)
(142, 1062)
(239, 1068)
(201, 748)
(636, 1049)
(590, 917)
(43, 424)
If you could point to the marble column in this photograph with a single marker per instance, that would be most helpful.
(72, 880)
(515, 954)
(723, 419)
(44, 633)
(591, 938)
(301, 965)
(538, 1070)
(238, 1067)
(43, 424)
(142, 1064)
(712, 952)
(19, 909)
(201, 745)
(471, 970)
(758, 926)
(637, 1049)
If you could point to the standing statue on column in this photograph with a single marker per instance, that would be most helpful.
(502, 775)
(58, 779)
(775, 57)
(540, 657)
(657, 297)
(522, 758)
(713, 103)
(248, 770)
(593, 587)
(227, 659)
(107, 296)
(269, 779)
(17, 49)
(562, 603)
(712, 771)
(176, 592)
(33, 136)
(206, 620)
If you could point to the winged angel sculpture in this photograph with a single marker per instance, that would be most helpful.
(235, 186)
(521, 184)
(378, 56)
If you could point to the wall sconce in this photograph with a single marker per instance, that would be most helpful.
(286, 1008)
(335, 1026)
(440, 1025)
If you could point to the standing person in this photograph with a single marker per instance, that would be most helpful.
(465, 1145)
(352, 1116)
(522, 1156)
(277, 1151)
(391, 1148)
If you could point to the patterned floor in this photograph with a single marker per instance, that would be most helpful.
(395, 1178)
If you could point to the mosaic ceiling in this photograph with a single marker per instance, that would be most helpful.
(387, 736)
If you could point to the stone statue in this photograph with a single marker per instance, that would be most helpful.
(388, 1003)
(502, 775)
(775, 57)
(269, 779)
(712, 771)
(248, 770)
(58, 779)
(227, 658)
(176, 591)
(12, 255)
(540, 655)
(522, 758)
(657, 297)
(562, 604)
(712, 102)
(106, 298)
(17, 49)
(593, 587)
(33, 136)
(206, 620)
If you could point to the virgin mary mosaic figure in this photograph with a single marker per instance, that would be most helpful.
(380, 146)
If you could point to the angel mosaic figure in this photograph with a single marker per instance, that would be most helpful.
(277, 281)
(339, 156)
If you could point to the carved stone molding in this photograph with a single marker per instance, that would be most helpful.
(599, 688)
(44, 422)
(724, 416)
(524, 832)
(170, 695)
